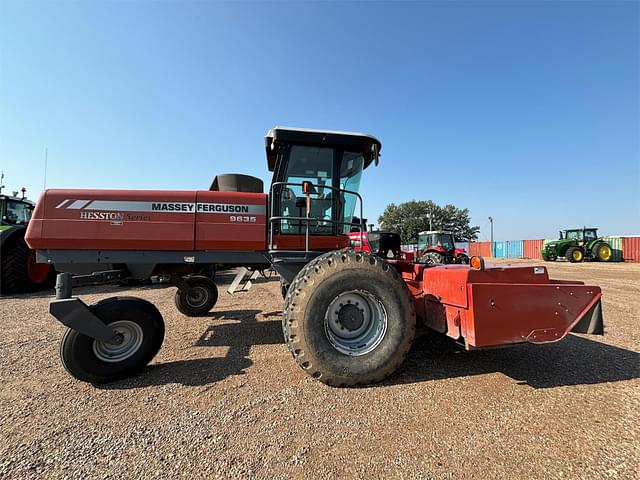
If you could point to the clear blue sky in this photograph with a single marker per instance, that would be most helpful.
(525, 111)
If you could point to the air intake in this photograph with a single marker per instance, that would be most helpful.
(235, 182)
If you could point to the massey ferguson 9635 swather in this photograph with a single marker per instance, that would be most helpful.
(349, 317)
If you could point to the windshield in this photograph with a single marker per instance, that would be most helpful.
(574, 235)
(318, 165)
(313, 164)
(17, 213)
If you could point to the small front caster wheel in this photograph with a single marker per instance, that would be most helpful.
(140, 329)
(199, 298)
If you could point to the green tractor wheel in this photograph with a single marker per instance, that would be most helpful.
(574, 254)
(602, 252)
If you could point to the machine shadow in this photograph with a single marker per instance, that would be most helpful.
(240, 331)
(575, 360)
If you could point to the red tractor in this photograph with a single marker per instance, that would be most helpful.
(438, 246)
(349, 317)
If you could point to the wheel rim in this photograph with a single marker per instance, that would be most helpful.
(355, 322)
(126, 344)
(197, 297)
(577, 255)
(605, 252)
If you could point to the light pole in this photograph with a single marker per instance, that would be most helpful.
(491, 222)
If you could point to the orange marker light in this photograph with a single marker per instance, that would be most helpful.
(477, 263)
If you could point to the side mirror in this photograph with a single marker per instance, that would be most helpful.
(308, 188)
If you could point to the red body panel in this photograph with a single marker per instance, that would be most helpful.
(318, 242)
(499, 305)
(148, 220)
(215, 231)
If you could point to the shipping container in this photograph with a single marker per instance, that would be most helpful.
(500, 249)
(631, 249)
(533, 249)
(486, 249)
(616, 246)
(464, 245)
(482, 249)
(515, 249)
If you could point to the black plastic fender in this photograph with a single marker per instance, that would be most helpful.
(11, 233)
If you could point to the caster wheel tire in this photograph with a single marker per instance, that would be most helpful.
(200, 299)
(140, 329)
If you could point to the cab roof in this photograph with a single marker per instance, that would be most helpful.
(16, 199)
(429, 232)
(369, 145)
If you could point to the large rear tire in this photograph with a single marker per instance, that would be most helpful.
(348, 318)
(432, 258)
(199, 299)
(602, 252)
(141, 330)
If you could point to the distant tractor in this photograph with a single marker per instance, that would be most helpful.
(19, 271)
(578, 244)
(439, 247)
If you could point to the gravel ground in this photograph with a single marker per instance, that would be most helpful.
(224, 399)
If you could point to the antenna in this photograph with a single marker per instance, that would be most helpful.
(1, 180)
(46, 155)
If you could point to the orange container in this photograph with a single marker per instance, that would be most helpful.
(533, 249)
(480, 248)
(631, 249)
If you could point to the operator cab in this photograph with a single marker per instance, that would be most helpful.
(15, 211)
(330, 164)
(313, 197)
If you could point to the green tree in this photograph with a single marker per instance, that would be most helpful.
(410, 218)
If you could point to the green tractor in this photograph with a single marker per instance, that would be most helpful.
(19, 271)
(578, 244)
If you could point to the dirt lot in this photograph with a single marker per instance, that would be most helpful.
(224, 399)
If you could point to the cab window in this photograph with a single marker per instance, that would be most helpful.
(351, 168)
(17, 213)
(590, 235)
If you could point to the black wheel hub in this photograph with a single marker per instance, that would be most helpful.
(350, 316)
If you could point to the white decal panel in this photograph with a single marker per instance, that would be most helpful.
(164, 207)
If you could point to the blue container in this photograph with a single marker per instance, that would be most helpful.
(500, 249)
(515, 249)
(464, 245)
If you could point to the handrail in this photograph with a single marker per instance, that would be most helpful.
(307, 220)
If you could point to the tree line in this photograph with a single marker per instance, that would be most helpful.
(410, 218)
